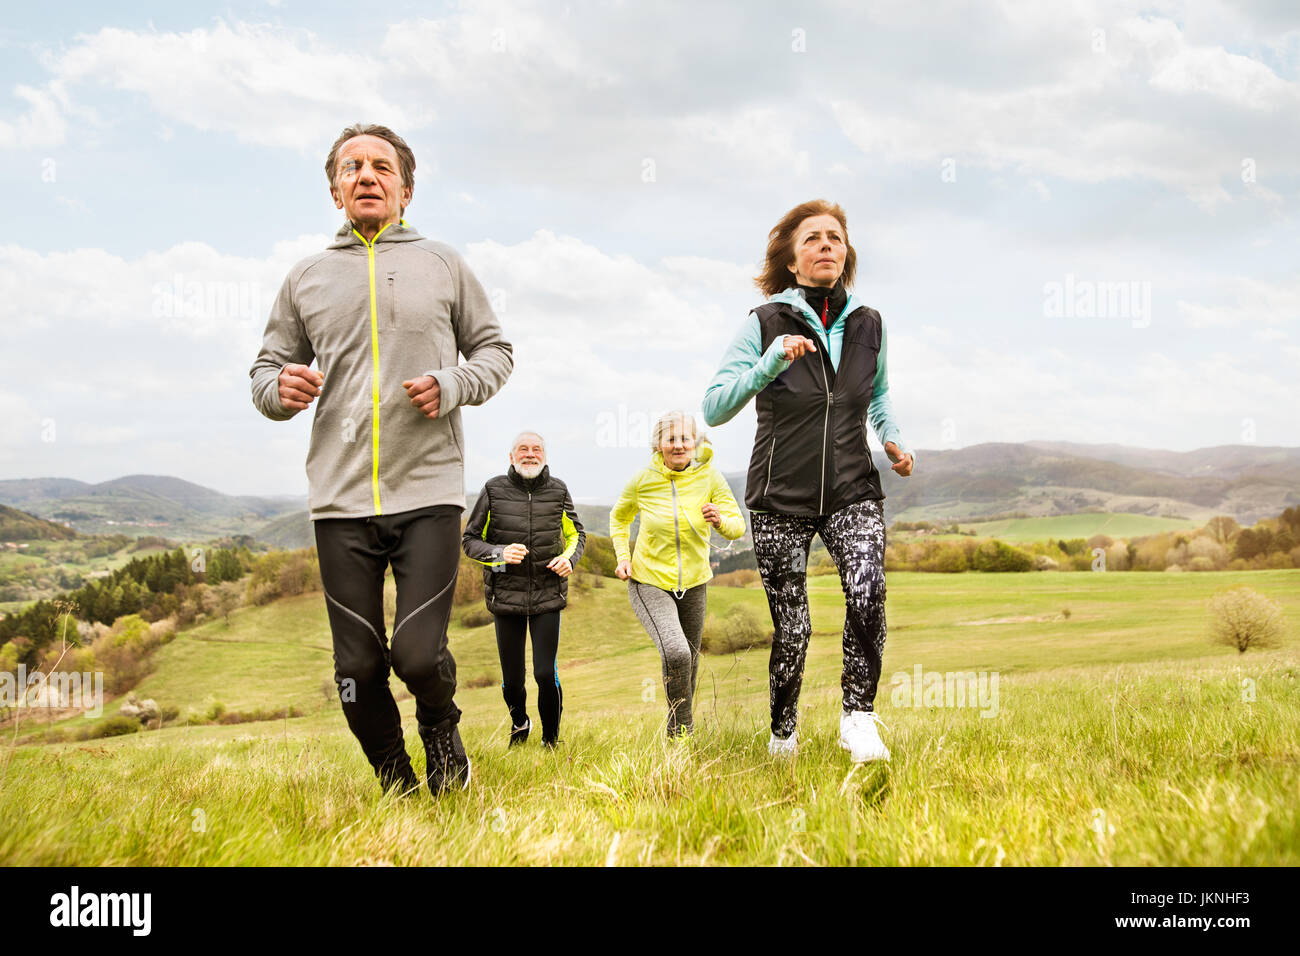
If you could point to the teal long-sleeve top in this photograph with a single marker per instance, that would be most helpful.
(746, 370)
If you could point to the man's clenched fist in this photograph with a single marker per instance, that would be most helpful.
(424, 393)
(299, 386)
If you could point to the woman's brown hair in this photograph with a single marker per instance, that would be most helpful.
(776, 274)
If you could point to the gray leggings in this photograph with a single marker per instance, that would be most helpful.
(675, 625)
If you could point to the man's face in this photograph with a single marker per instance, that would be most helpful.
(368, 182)
(529, 456)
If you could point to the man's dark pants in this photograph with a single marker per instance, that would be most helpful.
(423, 547)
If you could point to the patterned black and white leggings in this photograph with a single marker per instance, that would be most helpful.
(855, 539)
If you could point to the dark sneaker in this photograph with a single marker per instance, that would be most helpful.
(519, 734)
(446, 763)
(404, 781)
(550, 743)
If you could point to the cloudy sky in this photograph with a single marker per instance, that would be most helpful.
(1079, 220)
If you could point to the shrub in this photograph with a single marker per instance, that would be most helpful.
(476, 616)
(1043, 563)
(1000, 556)
(946, 559)
(896, 559)
(741, 628)
(114, 727)
(737, 579)
(1243, 618)
(598, 556)
(469, 582)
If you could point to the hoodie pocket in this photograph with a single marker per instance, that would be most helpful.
(390, 299)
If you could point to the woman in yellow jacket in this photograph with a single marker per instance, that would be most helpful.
(679, 495)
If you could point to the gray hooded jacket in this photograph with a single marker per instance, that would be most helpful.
(375, 314)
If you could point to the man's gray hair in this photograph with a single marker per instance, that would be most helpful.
(515, 444)
(405, 157)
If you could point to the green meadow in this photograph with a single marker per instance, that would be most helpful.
(1083, 525)
(1121, 735)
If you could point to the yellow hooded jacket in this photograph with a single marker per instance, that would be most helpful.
(672, 547)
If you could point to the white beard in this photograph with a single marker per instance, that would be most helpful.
(530, 471)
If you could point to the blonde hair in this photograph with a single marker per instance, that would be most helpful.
(665, 423)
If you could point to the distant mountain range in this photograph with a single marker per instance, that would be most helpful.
(1248, 482)
(144, 504)
(1035, 478)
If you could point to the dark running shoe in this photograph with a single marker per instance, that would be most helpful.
(550, 743)
(446, 763)
(404, 781)
(519, 734)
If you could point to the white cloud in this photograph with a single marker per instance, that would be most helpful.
(1253, 302)
(260, 84)
(43, 124)
(1088, 116)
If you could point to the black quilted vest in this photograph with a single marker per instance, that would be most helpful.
(810, 450)
(527, 512)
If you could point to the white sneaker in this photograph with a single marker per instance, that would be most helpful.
(787, 747)
(859, 736)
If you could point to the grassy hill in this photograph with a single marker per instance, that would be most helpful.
(1077, 526)
(18, 526)
(1121, 713)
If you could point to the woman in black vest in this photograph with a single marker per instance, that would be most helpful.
(813, 358)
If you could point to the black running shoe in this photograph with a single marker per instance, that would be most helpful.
(404, 781)
(519, 734)
(447, 765)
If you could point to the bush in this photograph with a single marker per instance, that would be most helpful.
(469, 582)
(1000, 556)
(1206, 547)
(1043, 563)
(598, 556)
(476, 616)
(1243, 618)
(740, 629)
(945, 559)
(114, 727)
(896, 559)
(737, 579)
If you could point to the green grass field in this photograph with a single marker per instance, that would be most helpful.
(1078, 526)
(1121, 737)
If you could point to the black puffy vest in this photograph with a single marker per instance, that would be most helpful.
(810, 450)
(527, 512)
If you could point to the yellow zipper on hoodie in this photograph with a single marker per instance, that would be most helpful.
(374, 368)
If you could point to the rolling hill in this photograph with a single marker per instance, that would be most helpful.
(142, 504)
(1036, 479)
(18, 525)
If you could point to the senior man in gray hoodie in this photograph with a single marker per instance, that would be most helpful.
(384, 312)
